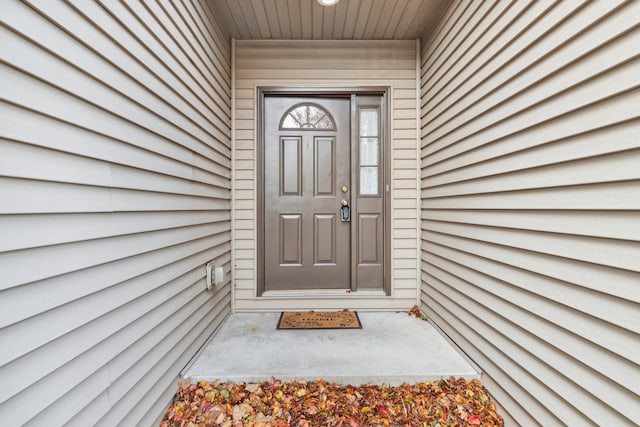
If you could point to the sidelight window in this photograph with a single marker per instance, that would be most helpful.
(369, 158)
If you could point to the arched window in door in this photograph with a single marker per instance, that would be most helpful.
(307, 116)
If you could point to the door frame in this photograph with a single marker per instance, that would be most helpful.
(349, 92)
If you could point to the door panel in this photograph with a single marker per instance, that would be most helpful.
(291, 166)
(369, 239)
(324, 166)
(324, 237)
(290, 241)
(306, 161)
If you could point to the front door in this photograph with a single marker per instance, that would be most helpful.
(307, 174)
(323, 193)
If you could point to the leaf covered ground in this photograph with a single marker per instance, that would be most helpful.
(452, 402)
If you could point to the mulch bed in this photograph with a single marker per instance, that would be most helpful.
(452, 402)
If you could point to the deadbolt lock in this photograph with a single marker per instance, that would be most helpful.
(345, 212)
(344, 189)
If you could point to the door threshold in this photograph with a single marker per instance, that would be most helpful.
(322, 293)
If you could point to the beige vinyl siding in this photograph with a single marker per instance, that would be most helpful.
(333, 64)
(114, 193)
(530, 200)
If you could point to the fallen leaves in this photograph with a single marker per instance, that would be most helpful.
(474, 420)
(444, 403)
(416, 312)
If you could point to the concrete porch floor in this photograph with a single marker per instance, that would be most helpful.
(390, 348)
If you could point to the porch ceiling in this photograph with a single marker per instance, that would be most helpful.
(349, 19)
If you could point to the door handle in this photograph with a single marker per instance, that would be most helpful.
(345, 212)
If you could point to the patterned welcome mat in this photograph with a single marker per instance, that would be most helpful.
(319, 320)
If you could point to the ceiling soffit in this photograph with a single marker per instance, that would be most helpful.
(348, 20)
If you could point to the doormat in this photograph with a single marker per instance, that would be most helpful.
(319, 320)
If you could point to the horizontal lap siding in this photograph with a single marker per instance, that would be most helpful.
(340, 64)
(114, 192)
(530, 201)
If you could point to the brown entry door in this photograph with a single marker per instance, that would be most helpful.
(307, 180)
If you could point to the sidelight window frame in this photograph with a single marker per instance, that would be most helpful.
(377, 166)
